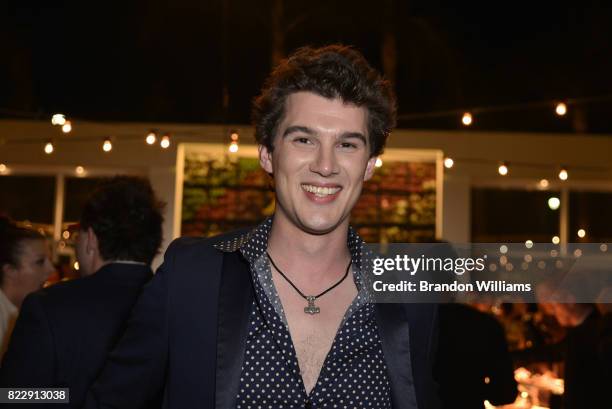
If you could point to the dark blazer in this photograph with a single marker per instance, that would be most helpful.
(64, 332)
(473, 347)
(187, 336)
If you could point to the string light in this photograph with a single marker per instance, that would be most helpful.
(379, 162)
(3, 168)
(529, 244)
(233, 146)
(561, 109)
(58, 119)
(503, 169)
(107, 146)
(544, 183)
(448, 163)
(76, 265)
(563, 175)
(556, 240)
(49, 148)
(79, 170)
(581, 233)
(554, 203)
(467, 119)
(151, 138)
(165, 141)
(67, 127)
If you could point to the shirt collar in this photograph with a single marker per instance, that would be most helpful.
(254, 244)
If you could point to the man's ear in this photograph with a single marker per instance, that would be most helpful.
(371, 165)
(9, 270)
(92, 242)
(265, 159)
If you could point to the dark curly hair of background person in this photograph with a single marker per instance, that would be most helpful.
(334, 71)
(126, 218)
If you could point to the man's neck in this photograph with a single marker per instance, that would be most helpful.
(308, 258)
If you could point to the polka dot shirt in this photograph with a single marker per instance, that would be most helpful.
(354, 374)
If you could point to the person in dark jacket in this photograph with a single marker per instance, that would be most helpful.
(473, 363)
(64, 332)
(247, 319)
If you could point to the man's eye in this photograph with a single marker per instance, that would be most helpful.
(301, 139)
(348, 145)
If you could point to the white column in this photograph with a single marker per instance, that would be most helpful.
(456, 217)
(58, 214)
(564, 219)
(163, 181)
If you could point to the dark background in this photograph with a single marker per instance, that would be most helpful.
(203, 61)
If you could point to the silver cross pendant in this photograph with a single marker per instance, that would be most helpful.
(311, 308)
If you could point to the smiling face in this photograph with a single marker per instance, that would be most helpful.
(320, 161)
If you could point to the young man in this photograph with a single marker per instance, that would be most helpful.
(277, 317)
(64, 332)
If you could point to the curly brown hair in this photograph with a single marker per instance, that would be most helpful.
(126, 217)
(333, 71)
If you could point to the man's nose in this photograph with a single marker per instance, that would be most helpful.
(325, 163)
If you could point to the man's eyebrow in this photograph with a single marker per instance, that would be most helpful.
(358, 135)
(298, 128)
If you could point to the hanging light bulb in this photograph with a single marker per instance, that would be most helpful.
(581, 233)
(561, 109)
(151, 138)
(503, 169)
(544, 183)
(234, 136)
(165, 141)
(554, 203)
(49, 148)
(448, 163)
(563, 175)
(67, 127)
(467, 119)
(233, 147)
(107, 146)
(3, 168)
(79, 170)
(58, 119)
(378, 163)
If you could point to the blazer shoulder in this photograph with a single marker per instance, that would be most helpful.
(227, 242)
(64, 292)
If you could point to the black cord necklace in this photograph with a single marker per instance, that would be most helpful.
(311, 308)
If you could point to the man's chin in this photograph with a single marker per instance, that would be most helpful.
(320, 226)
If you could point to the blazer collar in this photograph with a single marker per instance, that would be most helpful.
(394, 331)
(126, 273)
(235, 301)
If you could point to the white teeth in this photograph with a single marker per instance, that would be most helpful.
(321, 191)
